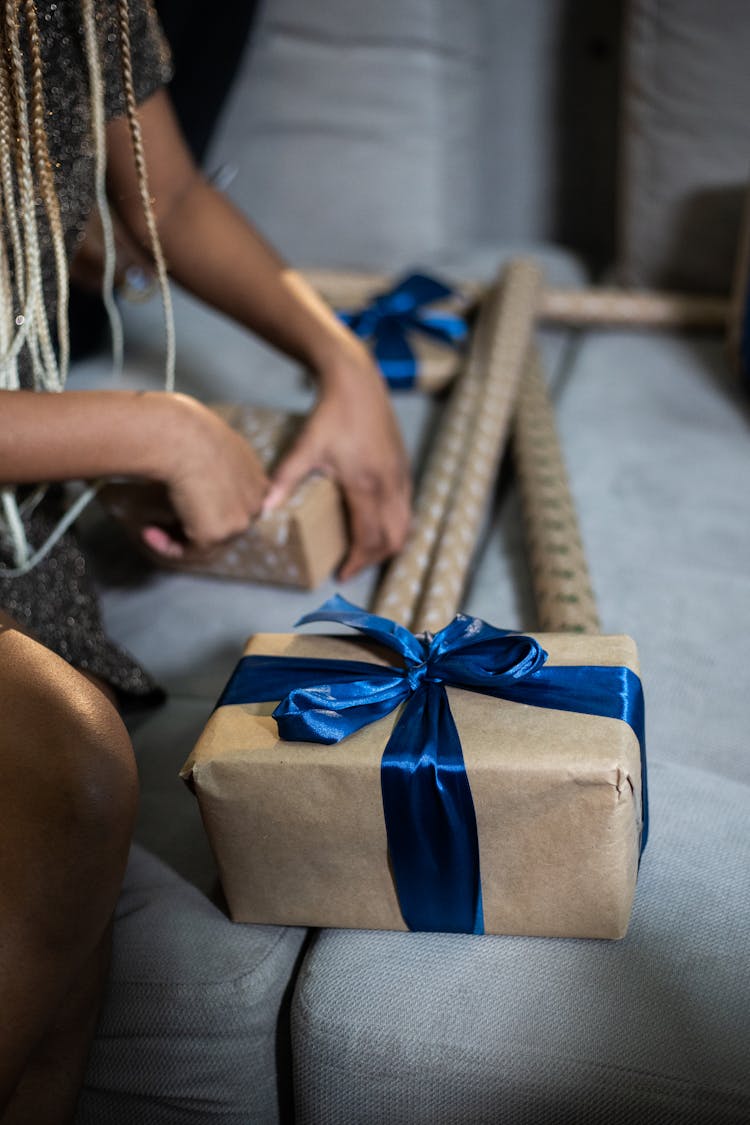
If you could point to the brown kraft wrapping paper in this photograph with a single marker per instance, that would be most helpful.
(299, 544)
(298, 831)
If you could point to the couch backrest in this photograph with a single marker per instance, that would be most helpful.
(373, 133)
(686, 141)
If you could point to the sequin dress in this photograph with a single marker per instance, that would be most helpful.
(56, 601)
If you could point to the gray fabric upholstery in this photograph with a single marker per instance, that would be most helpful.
(422, 1029)
(190, 1030)
(656, 1028)
(686, 142)
(372, 134)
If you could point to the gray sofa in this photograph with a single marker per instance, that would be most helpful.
(451, 134)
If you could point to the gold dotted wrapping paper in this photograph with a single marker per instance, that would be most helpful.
(559, 571)
(298, 545)
(505, 349)
(623, 308)
(464, 458)
(404, 579)
(572, 306)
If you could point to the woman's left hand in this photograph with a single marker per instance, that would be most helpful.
(353, 437)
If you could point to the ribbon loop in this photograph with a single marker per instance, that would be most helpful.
(391, 316)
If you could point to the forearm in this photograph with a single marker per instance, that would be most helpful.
(81, 435)
(227, 263)
(215, 252)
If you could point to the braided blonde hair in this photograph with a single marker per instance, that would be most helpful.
(26, 173)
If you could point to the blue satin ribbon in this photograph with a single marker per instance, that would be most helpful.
(427, 802)
(389, 319)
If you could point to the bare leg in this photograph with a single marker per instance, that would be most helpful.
(69, 793)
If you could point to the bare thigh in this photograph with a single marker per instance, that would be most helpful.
(70, 790)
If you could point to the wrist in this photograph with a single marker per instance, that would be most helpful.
(162, 423)
(345, 367)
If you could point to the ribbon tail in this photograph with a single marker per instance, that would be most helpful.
(448, 329)
(430, 819)
(381, 629)
(395, 356)
(613, 692)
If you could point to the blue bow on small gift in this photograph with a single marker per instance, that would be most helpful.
(391, 317)
(427, 802)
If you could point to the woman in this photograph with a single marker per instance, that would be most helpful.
(62, 745)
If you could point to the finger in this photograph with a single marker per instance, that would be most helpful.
(289, 473)
(162, 543)
(380, 519)
(369, 540)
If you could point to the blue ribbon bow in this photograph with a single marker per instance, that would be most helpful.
(427, 803)
(389, 319)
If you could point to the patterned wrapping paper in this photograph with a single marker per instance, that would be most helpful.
(296, 545)
(570, 306)
(513, 316)
(559, 571)
(402, 585)
(624, 308)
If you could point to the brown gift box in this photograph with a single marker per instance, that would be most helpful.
(299, 544)
(436, 363)
(298, 833)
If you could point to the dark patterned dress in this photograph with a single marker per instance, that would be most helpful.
(56, 601)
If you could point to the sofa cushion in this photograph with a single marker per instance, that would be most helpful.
(420, 1028)
(686, 140)
(423, 1029)
(355, 137)
(191, 1029)
(655, 430)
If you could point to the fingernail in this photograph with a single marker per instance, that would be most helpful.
(273, 499)
(158, 540)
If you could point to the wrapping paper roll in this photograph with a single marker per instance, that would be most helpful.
(512, 320)
(559, 572)
(579, 307)
(591, 308)
(401, 587)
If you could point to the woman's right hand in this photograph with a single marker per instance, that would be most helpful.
(214, 481)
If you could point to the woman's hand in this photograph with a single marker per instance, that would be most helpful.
(353, 437)
(214, 481)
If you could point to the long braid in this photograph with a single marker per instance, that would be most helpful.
(21, 287)
(140, 164)
(96, 86)
(13, 279)
(14, 340)
(46, 181)
(48, 376)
